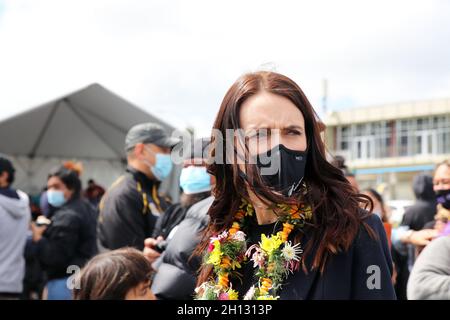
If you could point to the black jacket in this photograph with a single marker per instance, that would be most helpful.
(348, 275)
(424, 209)
(69, 240)
(172, 217)
(125, 219)
(176, 275)
(351, 274)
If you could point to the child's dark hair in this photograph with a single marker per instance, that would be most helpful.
(110, 275)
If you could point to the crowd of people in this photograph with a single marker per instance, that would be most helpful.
(423, 222)
(305, 231)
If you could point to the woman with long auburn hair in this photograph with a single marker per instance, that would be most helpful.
(285, 223)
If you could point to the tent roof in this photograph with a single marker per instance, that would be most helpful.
(90, 123)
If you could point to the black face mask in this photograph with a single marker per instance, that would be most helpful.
(285, 177)
(443, 197)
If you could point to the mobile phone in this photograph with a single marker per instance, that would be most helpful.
(161, 246)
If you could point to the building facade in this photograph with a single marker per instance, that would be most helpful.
(386, 146)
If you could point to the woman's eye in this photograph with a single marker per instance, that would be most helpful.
(294, 132)
(262, 133)
(259, 134)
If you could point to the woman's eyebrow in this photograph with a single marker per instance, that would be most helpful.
(257, 126)
(267, 128)
(294, 126)
(254, 129)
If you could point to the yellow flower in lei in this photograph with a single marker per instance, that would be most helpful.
(215, 257)
(267, 297)
(270, 244)
(233, 294)
(274, 255)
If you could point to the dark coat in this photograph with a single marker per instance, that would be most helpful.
(172, 217)
(124, 219)
(69, 240)
(348, 273)
(176, 275)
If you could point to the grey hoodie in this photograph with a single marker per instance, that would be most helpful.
(14, 222)
(430, 277)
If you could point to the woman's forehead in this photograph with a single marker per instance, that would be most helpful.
(271, 111)
(54, 181)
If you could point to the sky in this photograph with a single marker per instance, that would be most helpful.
(176, 59)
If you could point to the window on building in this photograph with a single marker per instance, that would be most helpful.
(423, 136)
(345, 137)
(413, 137)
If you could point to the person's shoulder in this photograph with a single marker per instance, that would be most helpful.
(436, 253)
(65, 216)
(371, 227)
(23, 196)
(122, 187)
(86, 206)
(371, 241)
(173, 207)
(441, 244)
(429, 224)
(172, 210)
(200, 209)
(370, 219)
(415, 209)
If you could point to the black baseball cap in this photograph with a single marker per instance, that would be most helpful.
(149, 133)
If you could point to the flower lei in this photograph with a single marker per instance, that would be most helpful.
(274, 256)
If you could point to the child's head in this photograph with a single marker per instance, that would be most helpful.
(122, 274)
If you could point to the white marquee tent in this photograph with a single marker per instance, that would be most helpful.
(88, 125)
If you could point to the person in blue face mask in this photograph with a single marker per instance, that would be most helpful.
(196, 184)
(132, 205)
(195, 179)
(67, 236)
(178, 231)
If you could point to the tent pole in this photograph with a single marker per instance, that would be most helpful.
(44, 130)
(109, 123)
(69, 103)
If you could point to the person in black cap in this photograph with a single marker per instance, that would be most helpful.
(131, 206)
